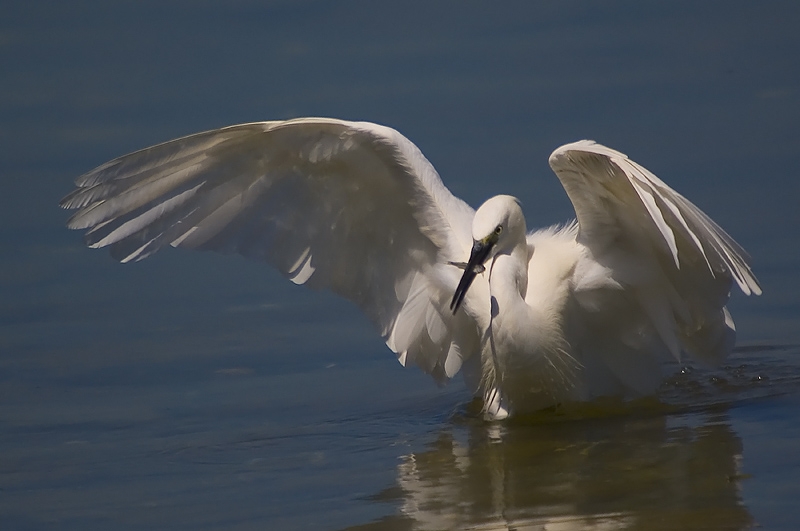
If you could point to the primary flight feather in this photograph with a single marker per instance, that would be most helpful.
(566, 313)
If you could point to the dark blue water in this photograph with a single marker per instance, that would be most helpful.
(195, 391)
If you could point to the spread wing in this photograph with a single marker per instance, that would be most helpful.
(352, 207)
(652, 257)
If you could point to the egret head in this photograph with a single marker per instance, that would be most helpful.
(497, 226)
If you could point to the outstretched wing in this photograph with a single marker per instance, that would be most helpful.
(670, 265)
(352, 207)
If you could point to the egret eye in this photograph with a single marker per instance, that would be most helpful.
(498, 230)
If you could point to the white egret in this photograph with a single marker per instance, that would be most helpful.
(566, 313)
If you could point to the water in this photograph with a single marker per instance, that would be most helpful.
(205, 392)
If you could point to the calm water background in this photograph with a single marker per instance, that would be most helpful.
(196, 391)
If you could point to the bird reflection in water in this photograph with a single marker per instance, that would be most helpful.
(680, 472)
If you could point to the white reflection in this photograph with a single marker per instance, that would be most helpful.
(601, 474)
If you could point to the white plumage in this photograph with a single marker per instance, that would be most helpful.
(566, 313)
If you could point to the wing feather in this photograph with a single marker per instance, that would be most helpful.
(353, 207)
(669, 266)
(589, 166)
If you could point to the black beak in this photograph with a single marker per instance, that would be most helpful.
(478, 256)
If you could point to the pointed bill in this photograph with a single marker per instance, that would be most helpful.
(478, 256)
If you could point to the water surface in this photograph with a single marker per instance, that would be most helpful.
(195, 391)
